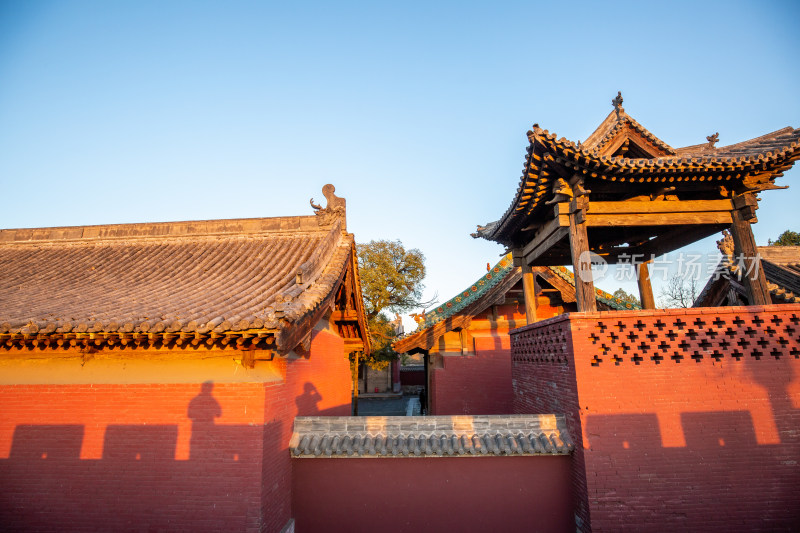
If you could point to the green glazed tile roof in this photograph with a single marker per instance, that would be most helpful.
(469, 295)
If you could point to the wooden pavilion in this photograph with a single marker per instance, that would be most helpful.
(681, 405)
(627, 196)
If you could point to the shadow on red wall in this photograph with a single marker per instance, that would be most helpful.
(721, 480)
(138, 484)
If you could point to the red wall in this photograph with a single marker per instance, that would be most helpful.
(413, 377)
(161, 456)
(689, 418)
(436, 494)
(548, 385)
(478, 384)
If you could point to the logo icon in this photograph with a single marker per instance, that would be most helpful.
(591, 267)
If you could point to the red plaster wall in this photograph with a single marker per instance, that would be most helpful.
(319, 385)
(438, 494)
(690, 424)
(161, 456)
(412, 377)
(480, 383)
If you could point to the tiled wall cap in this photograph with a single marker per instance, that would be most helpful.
(435, 436)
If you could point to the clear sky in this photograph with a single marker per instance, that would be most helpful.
(116, 112)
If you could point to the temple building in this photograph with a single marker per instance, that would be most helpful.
(150, 373)
(197, 376)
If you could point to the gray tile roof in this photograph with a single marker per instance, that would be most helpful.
(250, 280)
(782, 269)
(429, 436)
(193, 276)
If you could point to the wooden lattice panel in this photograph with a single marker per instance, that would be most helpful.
(700, 337)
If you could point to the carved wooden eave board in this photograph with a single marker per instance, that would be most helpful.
(641, 205)
(245, 283)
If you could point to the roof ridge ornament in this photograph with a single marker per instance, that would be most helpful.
(533, 132)
(712, 140)
(617, 103)
(725, 246)
(335, 209)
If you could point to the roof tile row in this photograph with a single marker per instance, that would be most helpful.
(434, 436)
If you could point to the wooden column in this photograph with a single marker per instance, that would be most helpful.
(645, 288)
(579, 246)
(355, 384)
(744, 249)
(529, 291)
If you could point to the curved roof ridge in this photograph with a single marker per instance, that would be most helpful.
(162, 230)
(746, 148)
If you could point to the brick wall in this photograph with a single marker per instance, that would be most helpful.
(543, 381)
(415, 495)
(690, 418)
(170, 456)
(480, 381)
(476, 384)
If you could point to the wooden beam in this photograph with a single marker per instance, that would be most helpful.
(349, 315)
(353, 345)
(550, 235)
(744, 248)
(355, 384)
(675, 238)
(661, 206)
(579, 247)
(595, 220)
(655, 213)
(645, 288)
(529, 291)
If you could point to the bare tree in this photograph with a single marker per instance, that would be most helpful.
(679, 292)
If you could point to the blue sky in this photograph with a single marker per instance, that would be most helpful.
(114, 112)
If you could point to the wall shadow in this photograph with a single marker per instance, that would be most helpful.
(137, 484)
(721, 480)
(307, 402)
